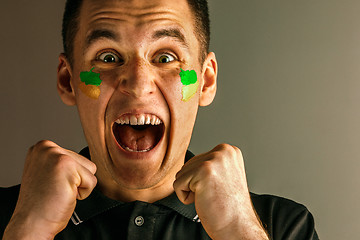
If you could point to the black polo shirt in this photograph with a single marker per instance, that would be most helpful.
(99, 217)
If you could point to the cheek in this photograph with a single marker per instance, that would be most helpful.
(92, 95)
(181, 84)
(110, 79)
(181, 99)
(171, 86)
(95, 86)
(90, 84)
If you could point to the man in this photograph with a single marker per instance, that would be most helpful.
(137, 72)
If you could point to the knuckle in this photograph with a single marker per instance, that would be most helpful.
(229, 149)
(178, 184)
(224, 146)
(93, 167)
(238, 151)
(175, 185)
(93, 181)
(74, 180)
(29, 154)
(208, 168)
(82, 194)
(31, 149)
(62, 161)
(215, 155)
(44, 144)
(42, 151)
(45, 147)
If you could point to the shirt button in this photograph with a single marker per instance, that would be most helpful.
(139, 221)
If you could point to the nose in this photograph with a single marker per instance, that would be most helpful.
(137, 79)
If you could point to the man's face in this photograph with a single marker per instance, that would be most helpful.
(138, 48)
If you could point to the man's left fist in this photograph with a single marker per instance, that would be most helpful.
(216, 182)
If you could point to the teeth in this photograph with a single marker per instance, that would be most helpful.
(133, 120)
(153, 119)
(141, 119)
(131, 150)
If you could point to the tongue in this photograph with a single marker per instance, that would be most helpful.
(138, 138)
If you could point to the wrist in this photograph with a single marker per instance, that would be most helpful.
(244, 230)
(21, 227)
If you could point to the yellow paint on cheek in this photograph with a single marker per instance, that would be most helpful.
(189, 91)
(91, 91)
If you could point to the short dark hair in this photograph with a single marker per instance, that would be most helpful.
(70, 26)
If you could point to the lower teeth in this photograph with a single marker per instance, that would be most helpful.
(132, 150)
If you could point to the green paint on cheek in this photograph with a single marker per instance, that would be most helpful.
(188, 77)
(90, 83)
(90, 78)
(190, 82)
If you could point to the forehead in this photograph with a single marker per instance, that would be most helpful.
(136, 9)
(136, 17)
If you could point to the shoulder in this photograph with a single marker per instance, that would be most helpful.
(8, 199)
(284, 218)
(8, 196)
(265, 204)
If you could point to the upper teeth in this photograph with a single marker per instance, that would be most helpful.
(139, 119)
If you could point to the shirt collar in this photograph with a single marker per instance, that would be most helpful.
(98, 203)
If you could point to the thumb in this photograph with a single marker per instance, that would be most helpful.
(183, 192)
(87, 184)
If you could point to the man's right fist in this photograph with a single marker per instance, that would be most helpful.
(52, 180)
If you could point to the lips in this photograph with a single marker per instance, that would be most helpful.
(138, 132)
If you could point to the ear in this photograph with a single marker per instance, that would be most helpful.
(64, 84)
(209, 78)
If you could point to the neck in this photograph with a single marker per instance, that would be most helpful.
(123, 193)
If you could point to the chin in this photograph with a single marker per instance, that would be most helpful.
(139, 176)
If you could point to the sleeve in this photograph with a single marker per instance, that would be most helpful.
(284, 219)
(299, 226)
(8, 199)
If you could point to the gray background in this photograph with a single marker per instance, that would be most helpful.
(288, 96)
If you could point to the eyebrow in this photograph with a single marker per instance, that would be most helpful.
(172, 33)
(98, 34)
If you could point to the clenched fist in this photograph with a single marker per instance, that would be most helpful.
(53, 179)
(216, 182)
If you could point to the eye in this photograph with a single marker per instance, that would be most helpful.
(109, 57)
(164, 58)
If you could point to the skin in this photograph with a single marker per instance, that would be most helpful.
(138, 83)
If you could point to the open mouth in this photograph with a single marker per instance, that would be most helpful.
(138, 133)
